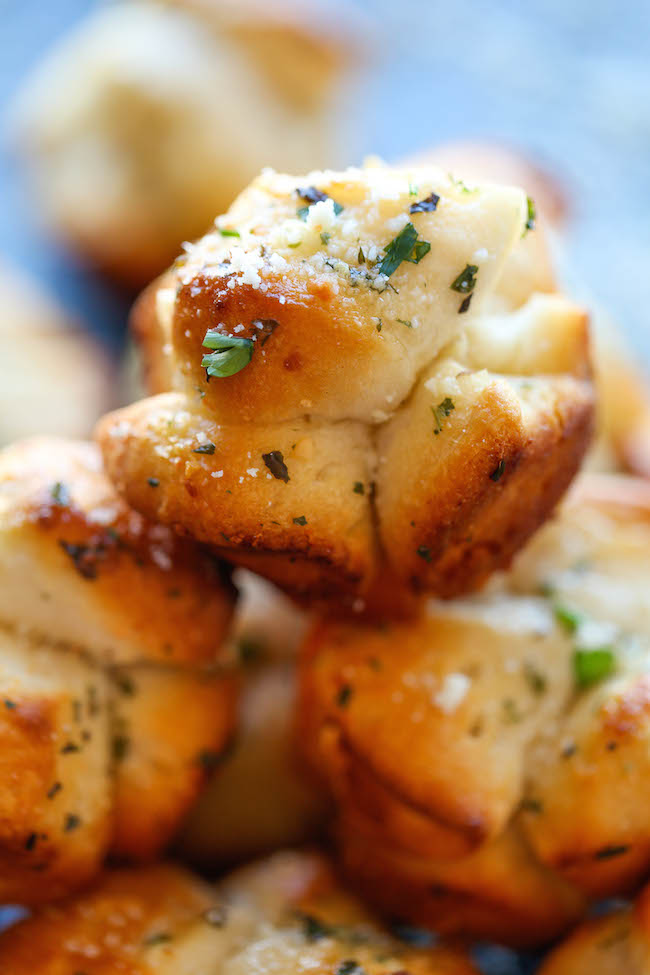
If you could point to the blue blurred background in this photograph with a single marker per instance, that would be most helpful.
(568, 80)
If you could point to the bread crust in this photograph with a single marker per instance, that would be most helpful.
(523, 797)
(93, 673)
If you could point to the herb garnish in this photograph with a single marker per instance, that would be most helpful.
(204, 448)
(536, 680)
(226, 232)
(267, 326)
(71, 822)
(52, 791)
(274, 460)
(358, 487)
(83, 557)
(465, 283)
(407, 322)
(497, 473)
(158, 938)
(343, 696)
(424, 553)
(60, 494)
(231, 356)
(311, 195)
(325, 238)
(404, 247)
(120, 747)
(568, 619)
(10, 705)
(441, 410)
(592, 666)
(313, 928)
(608, 852)
(301, 520)
(153, 481)
(349, 967)
(425, 206)
(531, 216)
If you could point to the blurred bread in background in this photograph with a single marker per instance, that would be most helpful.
(149, 118)
(54, 378)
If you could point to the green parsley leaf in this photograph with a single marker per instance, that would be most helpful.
(157, 938)
(301, 213)
(592, 666)
(205, 448)
(424, 553)
(358, 487)
(325, 237)
(233, 353)
(497, 473)
(531, 216)
(343, 696)
(60, 494)
(227, 232)
(465, 283)
(313, 928)
(300, 521)
(568, 619)
(441, 410)
(408, 323)
(404, 247)
(153, 482)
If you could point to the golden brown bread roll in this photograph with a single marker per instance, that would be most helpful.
(110, 628)
(286, 915)
(618, 942)
(148, 118)
(367, 406)
(54, 379)
(489, 760)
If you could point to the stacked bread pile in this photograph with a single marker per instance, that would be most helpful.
(366, 389)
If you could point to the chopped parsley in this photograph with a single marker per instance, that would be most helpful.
(158, 938)
(231, 356)
(204, 448)
(425, 206)
(407, 322)
(53, 790)
(497, 473)
(349, 967)
(535, 679)
(71, 822)
(153, 481)
(301, 520)
(568, 619)
(361, 257)
(60, 494)
(607, 852)
(325, 237)
(10, 705)
(592, 666)
(531, 216)
(358, 487)
(343, 696)
(83, 557)
(311, 195)
(424, 553)
(274, 460)
(313, 928)
(439, 412)
(465, 283)
(404, 247)
(227, 232)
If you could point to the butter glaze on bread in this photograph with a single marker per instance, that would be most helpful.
(409, 430)
(281, 916)
(484, 784)
(111, 711)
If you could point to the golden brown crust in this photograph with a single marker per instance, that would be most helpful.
(96, 758)
(163, 920)
(479, 777)
(66, 532)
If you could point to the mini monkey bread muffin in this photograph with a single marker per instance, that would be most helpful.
(343, 402)
(280, 916)
(490, 759)
(110, 627)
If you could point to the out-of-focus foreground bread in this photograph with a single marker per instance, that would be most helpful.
(54, 379)
(365, 406)
(490, 761)
(623, 414)
(149, 118)
(259, 798)
(284, 915)
(111, 712)
(611, 945)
